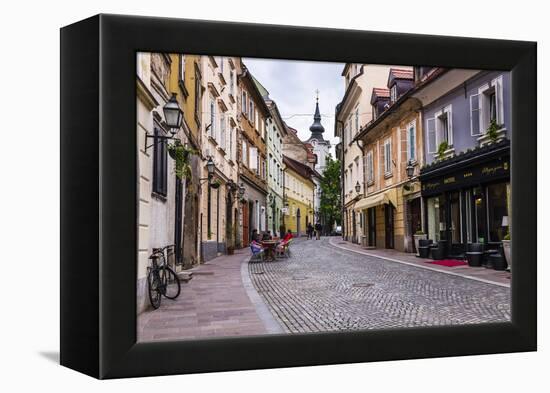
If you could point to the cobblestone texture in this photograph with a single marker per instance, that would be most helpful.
(323, 288)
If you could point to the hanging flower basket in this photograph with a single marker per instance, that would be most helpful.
(181, 154)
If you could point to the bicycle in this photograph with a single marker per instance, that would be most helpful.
(161, 279)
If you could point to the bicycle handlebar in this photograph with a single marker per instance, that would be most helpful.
(160, 250)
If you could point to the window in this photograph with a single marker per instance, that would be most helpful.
(490, 104)
(212, 132)
(160, 164)
(232, 82)
(231, 132)
(411, 141)
(222, 131)
(251, 111)
(444, 126)
(244, 103)
(393, 93)
(369, 167)
(198, 94)
(475, 114)
(245, 153)
(432, 142)
(253, 159)
(497, 203)
(221, 64)
(387, 157)
(356, 120)
(182, 68)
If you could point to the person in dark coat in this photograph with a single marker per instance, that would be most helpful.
(318, 229)
(309, 231)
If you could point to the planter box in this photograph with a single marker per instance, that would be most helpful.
(416, 239)
(506, 245)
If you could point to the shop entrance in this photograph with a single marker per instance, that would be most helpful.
(371, 227)
(388, 221)
(414, 219)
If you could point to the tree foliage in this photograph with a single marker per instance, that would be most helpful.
(331, 193)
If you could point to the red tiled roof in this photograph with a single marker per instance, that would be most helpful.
(381, 92)
(399, 73)
(302, 169)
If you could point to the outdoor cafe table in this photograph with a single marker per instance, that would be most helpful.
(269, 246)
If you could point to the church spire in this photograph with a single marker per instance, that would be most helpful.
(317, 128)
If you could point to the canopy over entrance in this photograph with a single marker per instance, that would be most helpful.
(385, 197)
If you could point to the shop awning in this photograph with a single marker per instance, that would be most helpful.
(386, 197)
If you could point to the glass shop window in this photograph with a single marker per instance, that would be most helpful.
(497, 199)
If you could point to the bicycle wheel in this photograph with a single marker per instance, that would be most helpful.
(171, 283)
(154, 287)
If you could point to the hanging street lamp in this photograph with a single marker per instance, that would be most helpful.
(173, 116)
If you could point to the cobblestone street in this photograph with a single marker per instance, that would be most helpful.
(322, 287)
(325, 288)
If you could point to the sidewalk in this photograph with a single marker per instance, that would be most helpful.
(219, 301)
(482, 274)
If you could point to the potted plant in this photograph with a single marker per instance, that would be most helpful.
(419, 235)
(181, 154)
(443, 147)
(507, 251)
(215, 184)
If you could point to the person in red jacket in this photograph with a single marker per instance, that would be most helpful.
(288, 236)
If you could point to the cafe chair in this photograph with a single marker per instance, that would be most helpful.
(257, 255)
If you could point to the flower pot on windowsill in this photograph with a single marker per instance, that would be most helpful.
(507, 253)
(417, 237)
(488, 138)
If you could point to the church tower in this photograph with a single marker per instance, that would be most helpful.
(321, 146)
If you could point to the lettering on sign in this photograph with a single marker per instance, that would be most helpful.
(487, 171)
(449, 180)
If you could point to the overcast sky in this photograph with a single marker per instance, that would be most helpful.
(292, 84)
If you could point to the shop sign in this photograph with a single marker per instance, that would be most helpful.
(493, 170)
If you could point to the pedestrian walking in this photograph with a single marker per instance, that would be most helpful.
(318, 229)
(309, 231)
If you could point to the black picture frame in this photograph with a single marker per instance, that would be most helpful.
(99, 191)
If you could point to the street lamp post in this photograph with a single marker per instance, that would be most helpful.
(410, 169)
(173, 115)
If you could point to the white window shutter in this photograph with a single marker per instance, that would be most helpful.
(449, 111)
(499, 99)
(475, 121)
(253, 158)
(432, 139)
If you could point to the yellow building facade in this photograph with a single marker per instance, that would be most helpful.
(389, 213)
(298, 196)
